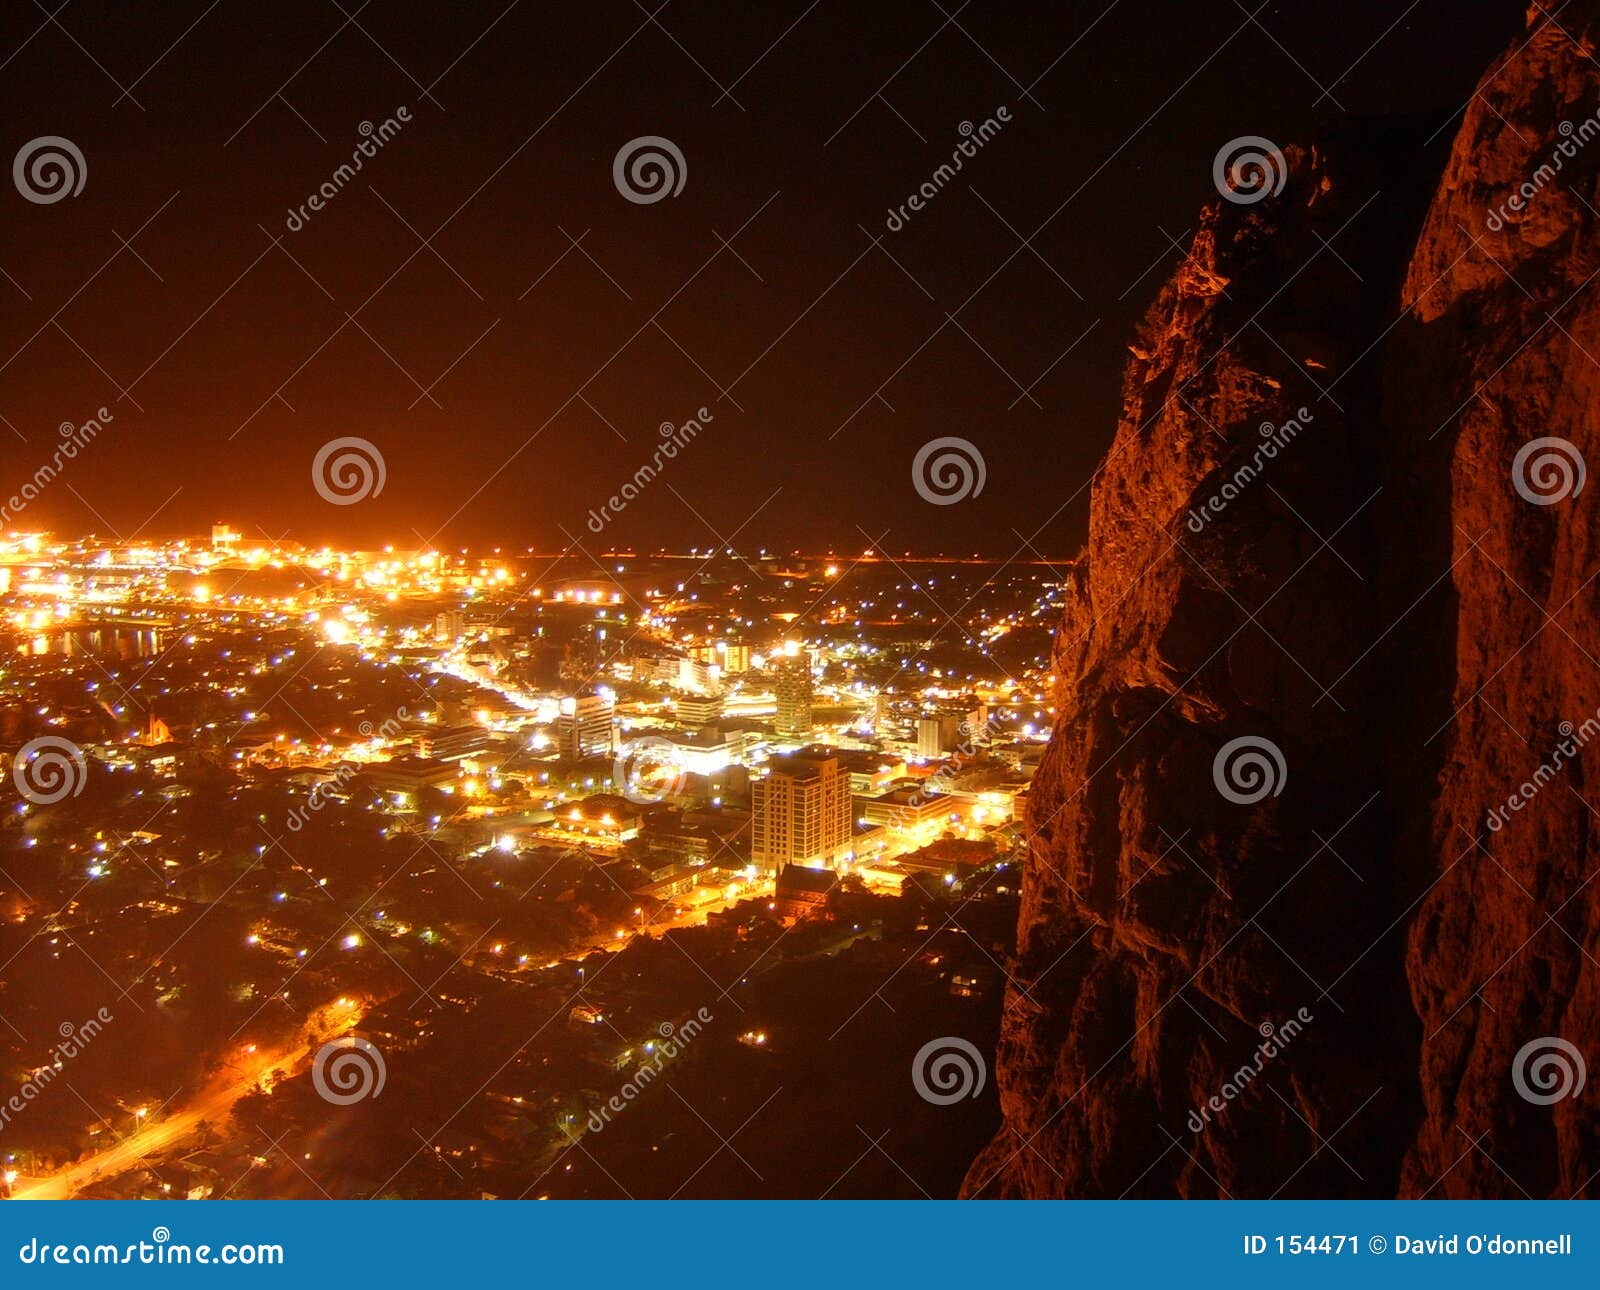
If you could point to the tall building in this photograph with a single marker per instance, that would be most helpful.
(937, 735)
(733, 657)
(449, 625)
(800, 813)
(792, 684)
(585, 725)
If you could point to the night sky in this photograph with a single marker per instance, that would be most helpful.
(512, 380)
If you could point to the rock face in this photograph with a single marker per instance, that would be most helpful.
(1284, 931)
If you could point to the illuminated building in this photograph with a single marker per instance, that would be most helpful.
(937, 735)
(584, 728)
(733, 657)
(448, 625)
(905, 808)
(870, 773)
(800, 813)
(691, 674)
(792, 685)
(803, 892)
(224, 539)
(409, 774)
(709, 750)
(696, 711)
(452, 743)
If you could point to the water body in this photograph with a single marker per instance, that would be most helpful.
(101, 642)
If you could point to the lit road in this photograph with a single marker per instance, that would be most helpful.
(214, 1104)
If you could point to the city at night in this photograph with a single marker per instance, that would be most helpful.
(867, 609)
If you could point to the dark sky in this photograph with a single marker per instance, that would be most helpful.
(826, 362)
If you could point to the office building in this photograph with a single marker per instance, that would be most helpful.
(792, 685)
(696, 711)
(937, 735)
(800, 814)
(584, 727)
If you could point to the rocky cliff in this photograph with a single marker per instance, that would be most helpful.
(1311, 905)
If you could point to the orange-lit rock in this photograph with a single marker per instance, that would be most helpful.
(1375, 598)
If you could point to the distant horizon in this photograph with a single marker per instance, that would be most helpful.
(574, 552)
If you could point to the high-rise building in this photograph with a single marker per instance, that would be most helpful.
(937, 734)
(449, 625)
(694, 674)
(224, 539)
(584, 728)
(976, 732)
(792, 684)
(800, 813)
(733, 656)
